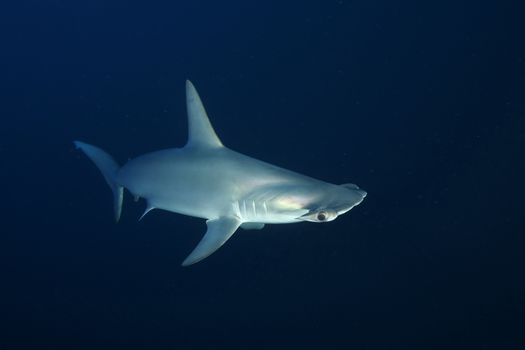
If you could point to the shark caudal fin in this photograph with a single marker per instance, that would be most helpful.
(108, 167)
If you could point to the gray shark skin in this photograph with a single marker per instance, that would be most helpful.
(207, 180)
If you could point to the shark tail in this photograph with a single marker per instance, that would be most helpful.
(109, 168)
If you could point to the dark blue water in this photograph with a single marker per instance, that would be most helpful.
(421, 104)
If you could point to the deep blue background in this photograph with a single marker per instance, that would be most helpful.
(421, 104)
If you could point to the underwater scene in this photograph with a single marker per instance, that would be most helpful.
(262, 175)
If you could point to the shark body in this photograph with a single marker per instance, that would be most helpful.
(207, 180)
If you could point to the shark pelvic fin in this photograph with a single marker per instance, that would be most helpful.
(200, 130)
(147, 210)
(219, 231)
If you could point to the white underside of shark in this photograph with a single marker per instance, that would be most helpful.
(207, 180)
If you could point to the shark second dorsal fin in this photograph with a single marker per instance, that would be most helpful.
(200, 131)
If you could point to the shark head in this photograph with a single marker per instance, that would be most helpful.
(328, 204)
(313, 202)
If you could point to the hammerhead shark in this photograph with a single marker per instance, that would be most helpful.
(205, 179)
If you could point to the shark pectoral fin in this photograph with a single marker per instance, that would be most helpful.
(219, 231)
(252, 226)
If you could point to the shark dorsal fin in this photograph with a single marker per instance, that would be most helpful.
(200, 131)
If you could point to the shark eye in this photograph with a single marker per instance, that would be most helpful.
(321, 216)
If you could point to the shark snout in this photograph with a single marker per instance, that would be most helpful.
(356, 197)
(362, 193)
